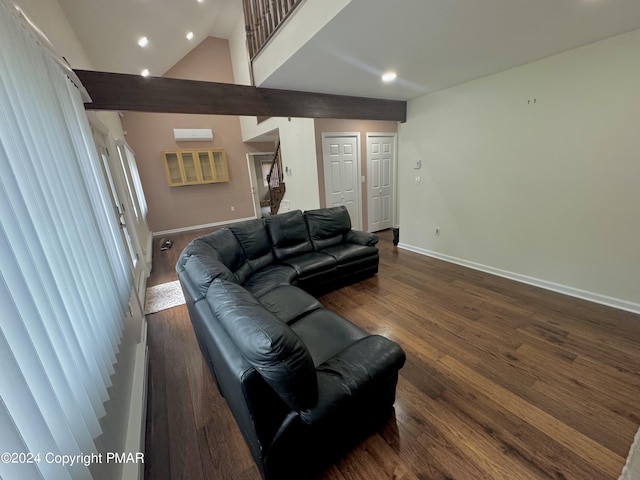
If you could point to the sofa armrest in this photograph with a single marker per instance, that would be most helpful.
(362, 238)
(353, 373)
(256, 407)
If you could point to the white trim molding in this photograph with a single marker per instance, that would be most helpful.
(536, 282)
(200, 227)
(136, 425)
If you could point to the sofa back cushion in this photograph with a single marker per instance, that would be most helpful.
(227, 250)
(327, 226)
(203, 269)
(289, 234)
(273, 349)
(196, 247)
(252, 236)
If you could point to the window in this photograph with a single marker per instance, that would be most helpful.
(65, 277)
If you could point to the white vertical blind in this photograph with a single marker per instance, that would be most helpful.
(65, 276)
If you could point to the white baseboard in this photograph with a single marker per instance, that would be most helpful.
(148, 256)
(200, 227)
(537, 282)
(135, 439)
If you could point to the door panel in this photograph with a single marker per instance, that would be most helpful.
(342, 173)
(129, 209)
(381, 152)
(335, 181)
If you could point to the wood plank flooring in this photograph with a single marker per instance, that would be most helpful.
(502, 381)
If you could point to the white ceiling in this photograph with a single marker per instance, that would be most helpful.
(109, 30)
(431, 44)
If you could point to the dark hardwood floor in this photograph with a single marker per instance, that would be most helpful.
(502, 381)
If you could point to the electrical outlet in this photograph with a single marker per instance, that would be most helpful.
(437, 231)
(418, 179)
(233, 209)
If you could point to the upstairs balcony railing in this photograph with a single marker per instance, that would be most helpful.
(262, 19)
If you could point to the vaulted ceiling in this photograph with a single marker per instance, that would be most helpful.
(110, 29)
(431, 44)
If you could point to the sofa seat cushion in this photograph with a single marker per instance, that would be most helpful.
(348, 252)
(269, 278)
(312, 263)
(289, 303)
(268, 344)
(326, 333)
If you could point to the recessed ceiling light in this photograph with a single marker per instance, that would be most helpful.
(190, 36)
(389, 76)
(145, 72)
(200, 1)
(143, 41)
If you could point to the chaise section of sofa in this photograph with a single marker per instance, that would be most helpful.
(302, 382)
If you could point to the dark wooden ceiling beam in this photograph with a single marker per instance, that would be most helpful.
(117, 91)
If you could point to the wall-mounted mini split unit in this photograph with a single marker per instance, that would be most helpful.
(192, 134)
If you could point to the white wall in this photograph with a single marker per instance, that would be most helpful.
(298, 150)
(50, 18)
(547, 190)
(297, 135)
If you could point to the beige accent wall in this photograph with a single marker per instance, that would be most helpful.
(533, 173)
(361, 126)
(149, 134)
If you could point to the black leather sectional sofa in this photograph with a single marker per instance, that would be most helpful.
(303, 383)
